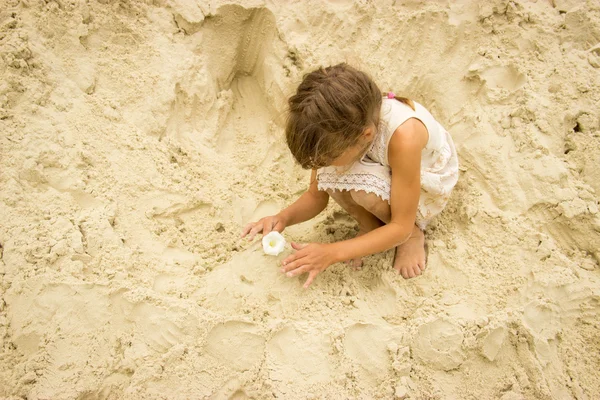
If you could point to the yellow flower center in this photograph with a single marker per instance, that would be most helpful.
(272, 243)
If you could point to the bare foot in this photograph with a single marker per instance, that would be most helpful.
(410, 256)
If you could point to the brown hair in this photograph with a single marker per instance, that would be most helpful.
(329, 112)
(404, 100)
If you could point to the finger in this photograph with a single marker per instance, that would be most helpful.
(410, 272)
(247, 229)
(289, 259)
(298, 246)
(254, 231)
(293, 257)
(298, 271)
(267, 227)
(310, 279)
(293, 265)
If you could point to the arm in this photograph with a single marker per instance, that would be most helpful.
(307, 206)
(405, 161)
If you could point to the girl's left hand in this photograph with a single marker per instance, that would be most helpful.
(312, 258)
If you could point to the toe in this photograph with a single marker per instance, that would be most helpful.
(417, 270)
(356, 264)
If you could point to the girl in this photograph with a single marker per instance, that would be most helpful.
(384, 159)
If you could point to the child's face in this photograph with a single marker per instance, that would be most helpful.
(355, 152)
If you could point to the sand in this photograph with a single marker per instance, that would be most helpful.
(137, 138)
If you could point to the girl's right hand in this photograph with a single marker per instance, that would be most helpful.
(264, 225)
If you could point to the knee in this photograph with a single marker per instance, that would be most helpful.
(336, 195)
(341, 197)
(372, 203)
(362, 198)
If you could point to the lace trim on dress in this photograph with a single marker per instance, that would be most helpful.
(367, 182)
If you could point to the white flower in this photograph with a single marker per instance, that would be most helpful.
(273, 243)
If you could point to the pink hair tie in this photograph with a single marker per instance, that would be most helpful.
(391, 95)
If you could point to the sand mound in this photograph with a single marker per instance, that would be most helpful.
(138, 138)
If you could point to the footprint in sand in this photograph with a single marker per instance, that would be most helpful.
(366, 345)
(246, 210)
(493, 342)
(295, 356)
(541, 321)
(236, 344)
(439, 344)
(265, 208)
(501, 77)
(157, 327)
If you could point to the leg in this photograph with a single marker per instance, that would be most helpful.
(373, 204)
(366, 220)
(409, 260)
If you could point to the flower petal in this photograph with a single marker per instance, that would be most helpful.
(277, 239)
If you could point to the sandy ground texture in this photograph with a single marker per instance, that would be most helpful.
(137, 138)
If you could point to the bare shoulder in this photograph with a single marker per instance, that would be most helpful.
(411, 136)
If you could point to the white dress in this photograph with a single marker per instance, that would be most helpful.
(439, 163)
